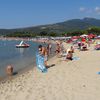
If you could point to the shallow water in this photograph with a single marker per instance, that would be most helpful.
(19, 58)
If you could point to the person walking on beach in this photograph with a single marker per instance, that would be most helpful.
(49, 46)
(57, 47)
(43, 52)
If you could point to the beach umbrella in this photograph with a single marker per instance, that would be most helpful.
(75, 37)
(91, 35)
(83, 40)
(84, 35)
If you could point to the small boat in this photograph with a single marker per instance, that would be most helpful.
(22, 45)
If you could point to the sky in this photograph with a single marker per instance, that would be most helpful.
(26, 13)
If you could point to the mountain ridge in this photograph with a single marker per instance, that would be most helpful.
(66, 26)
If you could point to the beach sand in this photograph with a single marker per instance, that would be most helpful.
(73, 80)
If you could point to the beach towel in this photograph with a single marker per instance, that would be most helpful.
(98, 73)
(40, 63)
(76, 58)
(63, 54)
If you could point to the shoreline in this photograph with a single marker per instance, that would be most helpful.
(26, 68)
(22, 72)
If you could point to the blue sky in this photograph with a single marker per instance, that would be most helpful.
(25, 13)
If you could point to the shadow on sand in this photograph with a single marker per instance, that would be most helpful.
(50, 66)
(15, 73)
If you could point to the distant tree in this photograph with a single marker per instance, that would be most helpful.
(21, 34)
(95, 30)
(43, 33)
(53, 34)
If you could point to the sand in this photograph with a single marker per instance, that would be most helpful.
(73, 80)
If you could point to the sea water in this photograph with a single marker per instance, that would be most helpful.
(19, 58)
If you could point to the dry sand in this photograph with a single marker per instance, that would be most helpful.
(73, 80)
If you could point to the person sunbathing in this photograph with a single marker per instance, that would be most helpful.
(69, 56)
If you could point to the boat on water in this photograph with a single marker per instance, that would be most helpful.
(22, 45)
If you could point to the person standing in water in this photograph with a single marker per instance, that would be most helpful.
(9, 70)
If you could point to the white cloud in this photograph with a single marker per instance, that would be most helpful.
(97, 10)
(82, 9)
(85, 10)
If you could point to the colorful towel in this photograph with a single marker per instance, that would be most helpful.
(40, 63)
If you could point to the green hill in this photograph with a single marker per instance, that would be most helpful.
(66, 26)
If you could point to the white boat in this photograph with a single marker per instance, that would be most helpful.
(22, 45)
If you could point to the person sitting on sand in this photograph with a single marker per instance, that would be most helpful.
(69, 55)
(79, 45)
(43, 52)
(84, 47)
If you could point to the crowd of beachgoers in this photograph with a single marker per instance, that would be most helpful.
(76, 42)
(73, 76)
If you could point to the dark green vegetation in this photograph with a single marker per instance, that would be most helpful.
(70, 27)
